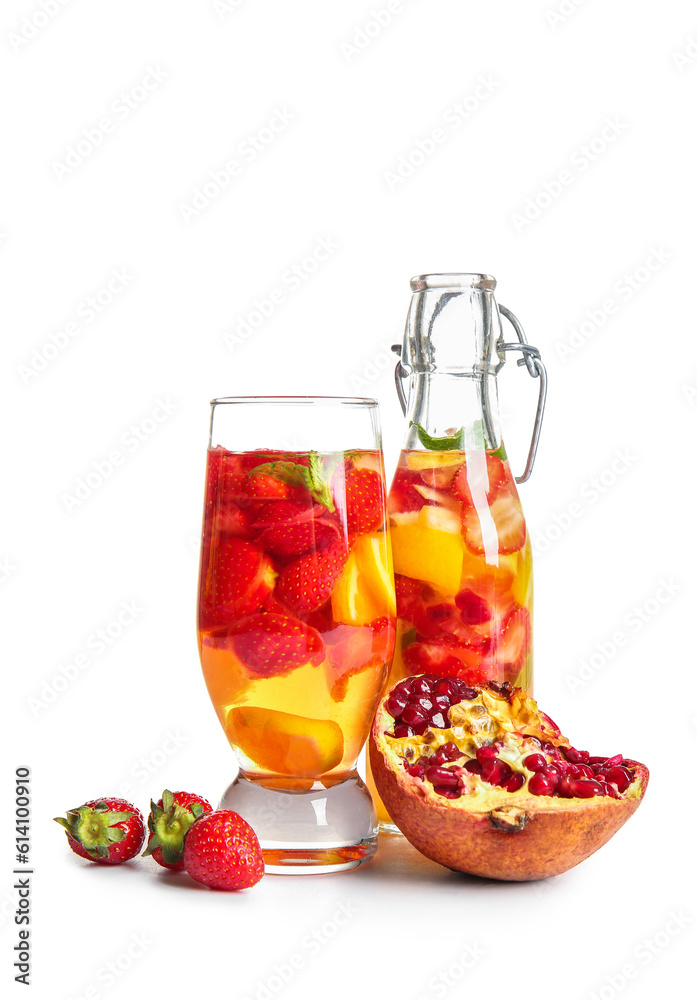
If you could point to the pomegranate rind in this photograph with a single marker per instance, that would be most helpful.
(510, 836)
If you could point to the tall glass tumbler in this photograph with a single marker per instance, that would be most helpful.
(296, 617)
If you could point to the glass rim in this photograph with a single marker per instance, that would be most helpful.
(356, 401)
(423, 282)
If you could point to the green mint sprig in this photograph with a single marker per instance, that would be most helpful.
(315, 477)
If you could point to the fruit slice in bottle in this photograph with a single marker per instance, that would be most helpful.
(430, 549)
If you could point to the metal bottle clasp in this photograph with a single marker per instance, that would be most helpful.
(536, 369)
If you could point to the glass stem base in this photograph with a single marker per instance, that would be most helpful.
(311, 832)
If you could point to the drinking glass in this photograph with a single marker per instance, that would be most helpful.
(296, 617)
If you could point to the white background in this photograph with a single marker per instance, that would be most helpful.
(602, 92)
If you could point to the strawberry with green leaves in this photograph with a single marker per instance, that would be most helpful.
(169, 822)
(108, 830)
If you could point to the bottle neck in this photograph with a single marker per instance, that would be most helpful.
(446, 411)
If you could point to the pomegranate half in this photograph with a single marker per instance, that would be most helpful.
(481, 781)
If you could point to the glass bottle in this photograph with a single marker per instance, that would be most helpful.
(461, 550)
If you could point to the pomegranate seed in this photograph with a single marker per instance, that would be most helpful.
(402, 689)
(515, 782)
(424, 759)
(473, 609)
(438, 720)
(564, 789)
(416, 771)
(402, 730)
(586, 770)
(582, 788)
(448, 793)
(438, 612)
(486, 753)
(473, 766)
(413, 715)
(442, 702)
(437, 758)
(423, 701)
(552, 771)
(576, 756)
(396, 704)
(451, 750)
(540, 784)
(598, 760)
(495, 772)
(535, 762)
(420, 728)
(612, 761)
(573, 770)
(447, 687)
(465, 692)
(610, 790)
(621, 777)
(442, 777)
(421, 685)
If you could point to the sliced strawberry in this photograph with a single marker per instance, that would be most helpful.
(407, 591)
(306, 583)
(239, 579)
(480, 476)
(273, 645)
(290, 528)
(508, 521)
(403, 497)
(351, 649)
(363, 499)
(512, 643)
(439, 478)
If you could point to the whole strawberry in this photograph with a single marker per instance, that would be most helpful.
(222, 851)
(169, 822)
(306, 583)
(272, 645)
(106, 830)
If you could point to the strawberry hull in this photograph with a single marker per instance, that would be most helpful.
(296, 608)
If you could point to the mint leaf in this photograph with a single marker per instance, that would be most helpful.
(316, 478)
(321, 474)
(466, 438)
(455, 442)
(285, 472)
